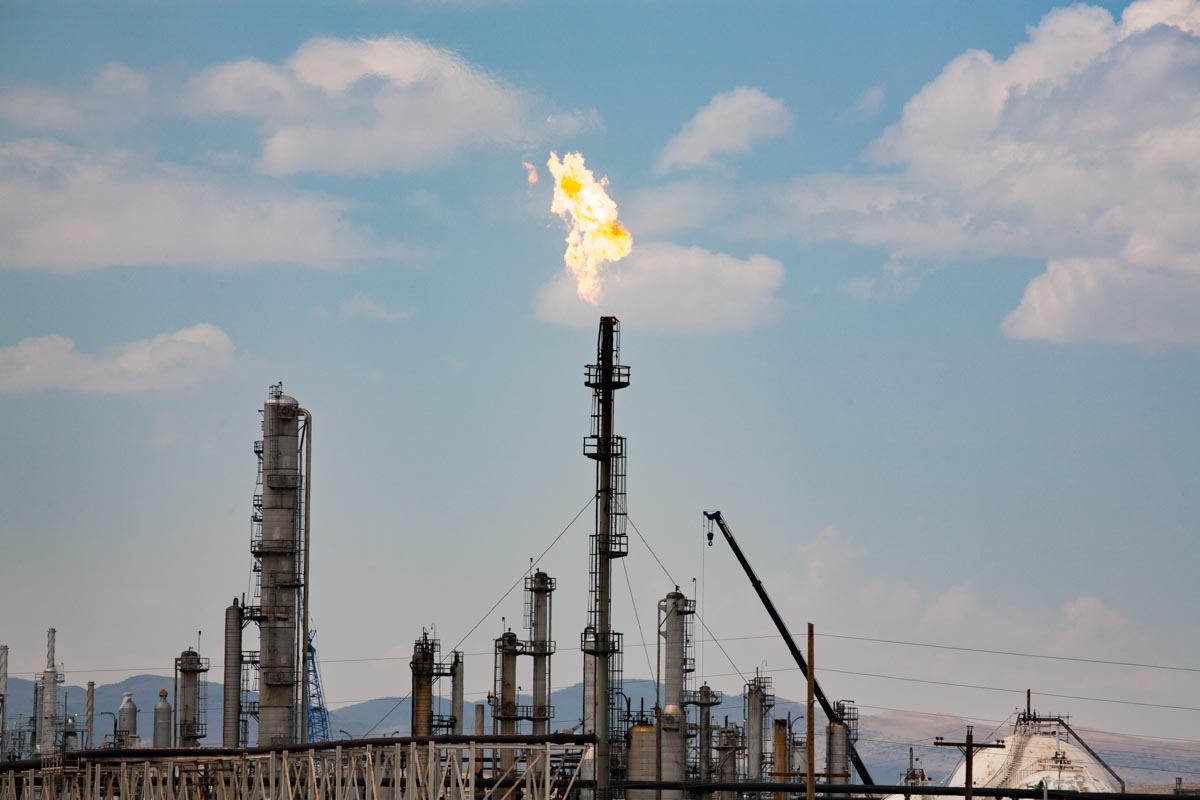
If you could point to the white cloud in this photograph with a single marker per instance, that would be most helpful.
(869, 102)
(166, 361)
(69, 210)
(732, 122)
(1078, 300)
(1080, 149)
(361, 306)
(362, 106)
(115, 95)
(668, 287)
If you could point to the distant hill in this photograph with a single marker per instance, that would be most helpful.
(884, 738)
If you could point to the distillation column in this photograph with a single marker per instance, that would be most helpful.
(760, 699)
(674, 611)
(231, 701)
(505, 712)
(47, 724)
(541, 647)
(280, 554)
(423, 665)
(727, 749)
(609, 542)
(190, 705)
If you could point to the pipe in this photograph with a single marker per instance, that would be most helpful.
(3, 694)
(308, 422)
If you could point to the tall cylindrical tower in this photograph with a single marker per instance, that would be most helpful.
(423, 664)
(90, 718)
(728, 743)
(281, 560)
(48, 709)
(190, 705)
(505, 714)
(456, 691)
(609, 542)
(231, 701)
(541, 587)
(3, 695)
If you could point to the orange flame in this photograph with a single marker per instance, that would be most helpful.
(532, 177)
(595, 237)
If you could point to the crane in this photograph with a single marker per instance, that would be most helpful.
(318, 714)
(830, 711)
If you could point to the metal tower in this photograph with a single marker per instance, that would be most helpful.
(600, 642)
(279, 544)
(315, 710)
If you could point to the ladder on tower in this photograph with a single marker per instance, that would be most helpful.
(317, 714)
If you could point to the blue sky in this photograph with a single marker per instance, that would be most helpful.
(914, 297)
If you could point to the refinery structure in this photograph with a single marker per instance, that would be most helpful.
(275, 737)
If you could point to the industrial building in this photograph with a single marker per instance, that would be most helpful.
(274, 735)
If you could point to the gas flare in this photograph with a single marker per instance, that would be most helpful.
(532, 177)
(595, 237)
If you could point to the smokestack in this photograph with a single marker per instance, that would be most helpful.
(605, 377)
(231, 705)
(456, 691)
(91, 714)
(781, 755)
(480, 717)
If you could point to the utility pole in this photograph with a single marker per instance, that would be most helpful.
(968, 749)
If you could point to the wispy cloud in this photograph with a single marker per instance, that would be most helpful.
(169, 360)
(69, 210)
(732, 122)
(361, 306)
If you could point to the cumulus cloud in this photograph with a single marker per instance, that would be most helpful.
(668, 287)
(361, 306)
(732, 122)
(1080, 149)
(169, 360)
(362, 106)
(70, 210)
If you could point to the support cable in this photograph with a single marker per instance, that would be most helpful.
(520, 579)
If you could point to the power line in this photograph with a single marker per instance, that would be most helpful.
(496, 604)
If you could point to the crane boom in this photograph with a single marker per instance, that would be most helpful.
(781, 626)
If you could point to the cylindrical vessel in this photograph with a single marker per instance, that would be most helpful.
(799, 761)
(231, 705)
(837, 751)
(456, 692)
(705, 732)
(279, 630)
(422, 687)
(127, 718)
(508, 694)
(480, 719)
(727, 747)
(781, 755)
(541, 587)
(188, 702)
(674, 749)
(754, 732)
(162, 721)
(641, 763)
(673, 607)
(587, 767)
